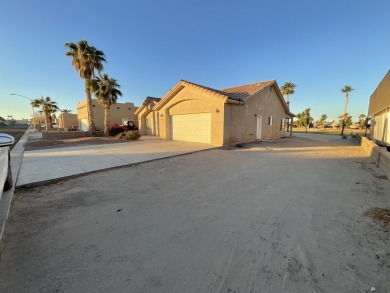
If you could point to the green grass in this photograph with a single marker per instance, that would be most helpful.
(330, 131)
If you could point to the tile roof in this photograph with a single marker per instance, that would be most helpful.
(243, 92)
(238, 93)
(206, 88)
(153, 99)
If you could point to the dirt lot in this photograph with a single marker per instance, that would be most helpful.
(16, 131)
(286, 216)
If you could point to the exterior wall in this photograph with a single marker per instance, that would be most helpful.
(67, 120)
(118, 113)
(243, 118)
(192, 101)
(379, 155)
(144, 112)
(379, 110)
(380, 128)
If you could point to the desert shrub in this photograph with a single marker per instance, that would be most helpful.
(129, 135)
(115, 129)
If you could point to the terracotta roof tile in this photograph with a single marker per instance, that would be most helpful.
(207, 88)
(243, 92)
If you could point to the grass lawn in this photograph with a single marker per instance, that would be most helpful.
(330, 131)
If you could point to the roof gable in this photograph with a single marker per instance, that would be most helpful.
(243, 92)
(146, 102)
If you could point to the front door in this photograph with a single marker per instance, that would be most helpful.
(258, 132)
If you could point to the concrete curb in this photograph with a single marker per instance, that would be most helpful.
(16, 161)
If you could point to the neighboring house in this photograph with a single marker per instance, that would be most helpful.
(119, 112)
(147, 118)
(191, 112)
(67, 120)
(379, 111)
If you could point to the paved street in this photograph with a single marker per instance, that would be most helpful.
(283, 216)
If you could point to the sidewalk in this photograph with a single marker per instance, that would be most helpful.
(41, 166)
(16, 161)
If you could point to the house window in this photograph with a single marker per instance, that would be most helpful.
(117, 108)
(93, 105)
(129, 108)
(270, 121)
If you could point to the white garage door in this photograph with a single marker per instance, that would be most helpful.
(84, 125)
(191, 127)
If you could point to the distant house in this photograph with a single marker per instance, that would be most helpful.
(379, 111)
(195, 113)
(68, 121)
(119, 112)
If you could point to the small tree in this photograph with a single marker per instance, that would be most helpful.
(323, 120)
(362, 120)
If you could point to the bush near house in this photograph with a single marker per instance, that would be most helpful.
(115, 129)
(129, 135)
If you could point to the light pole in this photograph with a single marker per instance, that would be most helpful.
(31, 107)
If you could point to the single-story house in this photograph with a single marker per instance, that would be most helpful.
(119, 112)
(195, 113)
(147, 118)
(379, 111)
(68, 121)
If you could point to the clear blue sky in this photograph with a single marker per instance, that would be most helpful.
(320, 45)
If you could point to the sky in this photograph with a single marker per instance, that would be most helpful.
(319, 45)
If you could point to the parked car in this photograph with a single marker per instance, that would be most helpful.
(5, 162)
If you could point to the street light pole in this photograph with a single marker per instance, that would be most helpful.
(31, 107)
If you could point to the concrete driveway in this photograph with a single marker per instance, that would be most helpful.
(41, 166)
(287, 216)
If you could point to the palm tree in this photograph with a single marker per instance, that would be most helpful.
(65, 111)
(48, 107)
(347, 89)
(86, 59)
(288, 89)
(107, 92)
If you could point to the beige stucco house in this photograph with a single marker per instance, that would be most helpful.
(147, 118)
(192, 112)
(119, 112)
(379, 111)
(67, 120)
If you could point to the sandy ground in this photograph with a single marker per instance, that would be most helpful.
(288, 216)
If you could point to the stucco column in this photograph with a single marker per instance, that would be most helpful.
(291, 125)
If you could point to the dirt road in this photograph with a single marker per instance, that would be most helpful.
(287, 216)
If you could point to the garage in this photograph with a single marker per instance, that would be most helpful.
(84, 125)
(191, 127)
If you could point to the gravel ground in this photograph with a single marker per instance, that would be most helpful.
(285, 216)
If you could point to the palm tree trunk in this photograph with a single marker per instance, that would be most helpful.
(106, 119)
(345, 111)
(91, 120)
(47, 120)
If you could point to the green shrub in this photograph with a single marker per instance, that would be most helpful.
(129, 135)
